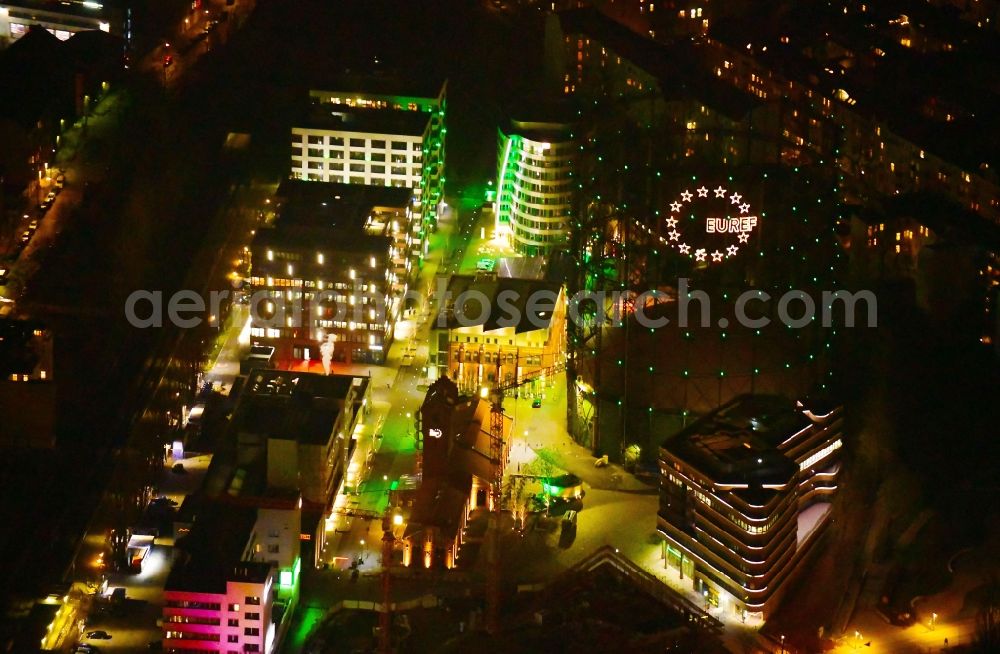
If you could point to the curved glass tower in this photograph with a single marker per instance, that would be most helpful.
(535, 162)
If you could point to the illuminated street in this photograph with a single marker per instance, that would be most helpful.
(499, 326)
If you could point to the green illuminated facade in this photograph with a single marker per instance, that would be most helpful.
(380, 139)
(536, 188)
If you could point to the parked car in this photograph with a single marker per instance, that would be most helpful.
(178, 468)
(99, 634)
(536, 403)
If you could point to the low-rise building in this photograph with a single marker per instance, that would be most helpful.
(745, 492)
(297, 430)
(520, 331)
(328, 277)
(221, 593)
(536, 190)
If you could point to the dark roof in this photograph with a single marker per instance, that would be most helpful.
(553, 119)
(373, 121)
(409, 85)
(738, 443)
(533, 300)
(297, 237)
(439, 502)
(333, 205)
(214, 551)
(330, 215)
(292, 406)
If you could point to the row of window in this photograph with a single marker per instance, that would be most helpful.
(356, 155)
(555, 237)
(371, 144)
(344, 179)
(492, 357)
(361, 168)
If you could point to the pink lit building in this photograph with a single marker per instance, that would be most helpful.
(228, 590)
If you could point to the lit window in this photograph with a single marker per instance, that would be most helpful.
(319, 258)
(270, 255)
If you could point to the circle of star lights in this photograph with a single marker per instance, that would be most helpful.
(738, 226)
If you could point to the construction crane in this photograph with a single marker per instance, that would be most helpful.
(494, 571)
(388, 544)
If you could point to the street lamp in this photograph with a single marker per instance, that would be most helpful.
(933, 620)
(857, 639)
(782, 643)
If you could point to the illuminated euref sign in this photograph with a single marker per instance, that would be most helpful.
(728, 222)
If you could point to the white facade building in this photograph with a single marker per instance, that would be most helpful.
(375, 139)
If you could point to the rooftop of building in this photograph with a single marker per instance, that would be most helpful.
(291, 405)
(380, 83)
(332, 204)
(532, 301)
(342, 118)
(330, 215)
(214, 550)
(738, 443)
(439, 503)
(548, 119)
(681, 73)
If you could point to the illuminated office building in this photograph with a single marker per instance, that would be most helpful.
(375, 138)
(745, 493)
(331, 272)
(536, 188)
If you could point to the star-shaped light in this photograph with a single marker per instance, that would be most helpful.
(731, 250)
(699, 254)
(736, 197)
(674, 235)
(720, 192)
(675, 207)
(703, 192)
(671, 222)
(744, 208)
(684, 248)
(716, 256)
(744, 237)
(686, 195)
